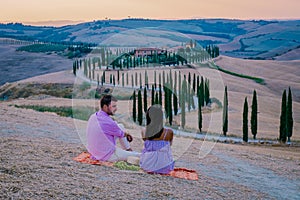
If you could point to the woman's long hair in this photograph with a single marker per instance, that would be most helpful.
(154, 118)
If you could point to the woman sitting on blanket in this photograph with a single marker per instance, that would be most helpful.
(156, 156)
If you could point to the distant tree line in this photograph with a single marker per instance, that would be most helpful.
(67, 49)
(128, 58)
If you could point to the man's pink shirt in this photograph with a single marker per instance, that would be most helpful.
(101, 133)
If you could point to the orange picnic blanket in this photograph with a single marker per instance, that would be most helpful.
(184, 173)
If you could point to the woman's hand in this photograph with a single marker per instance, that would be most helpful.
(128, 137)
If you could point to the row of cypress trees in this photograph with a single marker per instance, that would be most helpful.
(172, 101)
(286, 117)
(253, 120)
(122, 58)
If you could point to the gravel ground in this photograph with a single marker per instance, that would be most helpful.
(36, 163)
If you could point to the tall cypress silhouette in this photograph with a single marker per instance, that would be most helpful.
(206, 91)
(289, 116)
(145, 99)
(201, 91)
(282, 129)
(225, 112)
(170, 112)
(254, 115)
(245, 121)
(152, 96)
(160, 96)
(175, 102)
(156, 98)
(134, 106)
(199, 116)
(166, 98)
(182, 102)
(140, 108)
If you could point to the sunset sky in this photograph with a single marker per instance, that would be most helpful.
(32, 11)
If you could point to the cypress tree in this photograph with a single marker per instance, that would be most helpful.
(146, 80)
(132, 81)
(175, 81)
(170, 81)
(155, 80)
(199, 116)
(289, 116)
(175, 102)
(141, 84)
(170, 114)
(201, 93)
(74, 68)
(166, 98)
(103, 76)
(102, 80)
(152, 96)
(206, 91)
(189, 99)
(118, 77)
(225, 112)
(90, 73)
(159, 79)
(93, 74)
(160, 96)
(197, 85)
(183, 94)
(134, 62)
(179, 86)
(145, 100)
(127, 79)
(282, 129)
(85, 67)
(127, 61)
(194, 84)
(163, 78)
(136, 79)
(245, 121)
(156, 98)
(140, 108)
(254, 115)
(134, 106)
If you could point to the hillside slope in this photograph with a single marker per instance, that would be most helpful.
(278, 75)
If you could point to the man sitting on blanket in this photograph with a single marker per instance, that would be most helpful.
(102, 132)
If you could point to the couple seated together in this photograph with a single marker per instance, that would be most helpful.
(103, 132)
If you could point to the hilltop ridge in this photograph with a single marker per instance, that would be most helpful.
(252, 39)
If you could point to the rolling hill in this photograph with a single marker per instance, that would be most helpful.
(253, 39)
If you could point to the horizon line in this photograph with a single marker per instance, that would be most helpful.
(66, 22)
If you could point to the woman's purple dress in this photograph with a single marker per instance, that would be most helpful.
(157, 157)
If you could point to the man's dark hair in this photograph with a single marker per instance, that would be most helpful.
(106, 100)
